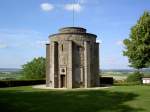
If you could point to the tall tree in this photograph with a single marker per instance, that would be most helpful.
(34, 69)
(137, 46)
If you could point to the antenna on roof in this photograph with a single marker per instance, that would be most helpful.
(73, 11)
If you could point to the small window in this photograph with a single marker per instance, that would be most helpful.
(63, 70)
(62, 47)
(78, 48)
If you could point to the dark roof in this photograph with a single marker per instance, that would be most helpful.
(72, 28)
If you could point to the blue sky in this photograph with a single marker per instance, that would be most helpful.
(26, 24)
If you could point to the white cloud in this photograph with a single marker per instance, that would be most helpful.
(114, 62)
(99, 41)
(22, 39)
(82, 1)
(47, 7)
(120, 43)
(2, 45)
(21, 44)
(42, 42)
(110, 60)
(76, 7)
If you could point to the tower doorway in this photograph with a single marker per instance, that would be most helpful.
(63, 81)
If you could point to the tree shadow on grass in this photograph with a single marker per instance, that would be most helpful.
(66, 101)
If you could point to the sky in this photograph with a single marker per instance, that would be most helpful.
(26, 24)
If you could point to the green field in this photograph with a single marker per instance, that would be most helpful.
(113, 99)
(10, 75)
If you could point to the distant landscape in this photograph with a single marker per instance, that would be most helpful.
(10, 74)
(9, 69)
(117, 74)
(121, 74)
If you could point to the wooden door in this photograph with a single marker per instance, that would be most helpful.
(63, 81)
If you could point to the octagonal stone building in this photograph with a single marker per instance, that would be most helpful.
(72, 59)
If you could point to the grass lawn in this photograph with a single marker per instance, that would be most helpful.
(114, 99)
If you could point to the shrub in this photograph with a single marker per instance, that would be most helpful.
(106, 81)
(135, 78)
(13, 83)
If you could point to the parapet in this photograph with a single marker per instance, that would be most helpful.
(72, 30)
(73, 34)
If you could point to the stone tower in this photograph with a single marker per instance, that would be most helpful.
(72, 59)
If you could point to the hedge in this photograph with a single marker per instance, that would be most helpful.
(14, 83)
(106, 81)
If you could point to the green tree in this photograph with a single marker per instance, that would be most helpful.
(138, 44)
(34, 69)
(135, 78)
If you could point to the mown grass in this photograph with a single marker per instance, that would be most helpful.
(114, 99)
